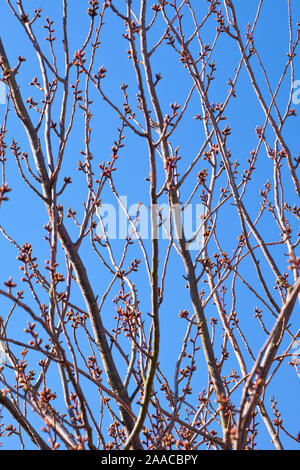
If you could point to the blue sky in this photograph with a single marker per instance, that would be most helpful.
(24, 215)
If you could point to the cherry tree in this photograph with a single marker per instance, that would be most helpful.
(162, 337)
